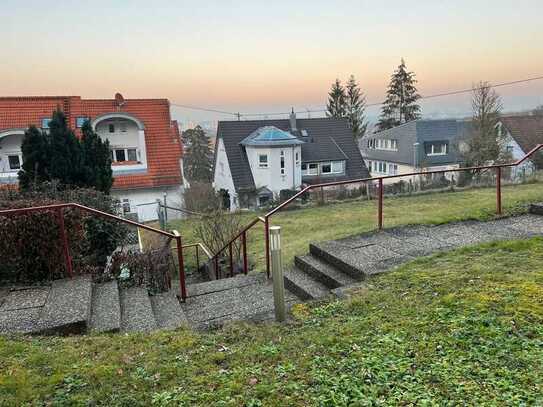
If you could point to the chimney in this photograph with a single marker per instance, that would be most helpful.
(293, 121)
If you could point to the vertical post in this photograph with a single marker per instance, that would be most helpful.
(380, 205)
(197, 257)
(267, 242)
(181, 266)
(231, 257)
(160, 215)
(64, 238)
(499, 190)
(165, 208)
(244, 248)
(217, 266)
(277, 274)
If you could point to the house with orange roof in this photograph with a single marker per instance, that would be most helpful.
(145, 143)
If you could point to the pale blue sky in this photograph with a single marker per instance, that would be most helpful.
(261, 55)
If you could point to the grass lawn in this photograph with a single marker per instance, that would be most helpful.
(458, 328)
(300, 227)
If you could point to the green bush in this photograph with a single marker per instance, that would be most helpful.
(31, 250)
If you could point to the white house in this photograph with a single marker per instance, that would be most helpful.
(256, 160)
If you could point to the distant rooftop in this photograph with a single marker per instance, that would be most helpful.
(270, 136)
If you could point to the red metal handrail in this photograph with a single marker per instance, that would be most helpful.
(58, 208)
(268, 215)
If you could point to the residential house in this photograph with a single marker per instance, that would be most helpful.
(521, 134)
(145, 144)
(255, 160)
(416, 146)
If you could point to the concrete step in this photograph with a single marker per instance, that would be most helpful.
(536, 208)
(68, 306)
(168, 312)
(136, 310)
(327, 256)
(303, 285)
(106, 308)
(327, 274)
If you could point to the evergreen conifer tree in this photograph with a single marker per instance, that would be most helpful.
(400, 105)
(66, 164)
(355, 108)
(197, 163)
(35, 167)
(336, 106)
(96, 159)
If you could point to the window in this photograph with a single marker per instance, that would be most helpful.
(120, 155)
(436, 148)
(80, 121)
(370, 168)
(326, 168)
(297, 158)
(45, 123)
(310, 169)
(263, 200)
(132, 154)
(262, 161)
(14, 162)
(111, 128)
(337, 167)
(126, 206)
(282, 164)
(393, 169)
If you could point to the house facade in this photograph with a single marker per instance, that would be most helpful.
(521, 133)
(255, 160)
(417, 146)
(146, 148)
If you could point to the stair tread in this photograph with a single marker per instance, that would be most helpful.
(327, 272)
(106, 307)
(68, 305)
(136, 310)
(168, 311)
(297, 280)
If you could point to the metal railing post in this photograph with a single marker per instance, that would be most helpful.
(244, 248)
(64, 239)
(181, 266)
(267, 238)
(277, 274)
(499, 190)
(380, 205)
(231, 258)
(197, 258)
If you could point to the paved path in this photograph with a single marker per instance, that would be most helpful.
(377, 252)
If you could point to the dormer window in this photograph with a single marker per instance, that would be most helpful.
(14, 162)
(262, 160)
(45, 123)
(111, 128)
(436, 148)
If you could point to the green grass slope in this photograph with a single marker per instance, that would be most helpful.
(464, 327)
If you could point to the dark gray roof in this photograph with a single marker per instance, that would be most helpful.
(327, 139)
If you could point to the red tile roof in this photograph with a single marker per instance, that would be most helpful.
(163, 143)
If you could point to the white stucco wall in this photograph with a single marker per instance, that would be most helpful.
(271, 177)
(10, 145)
(222, 177)
(527, 167)
(406, 169)
(143, 201)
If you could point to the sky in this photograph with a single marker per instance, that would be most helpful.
(269, 56)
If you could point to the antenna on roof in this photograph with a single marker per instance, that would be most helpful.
(239, 116)
(293, 121)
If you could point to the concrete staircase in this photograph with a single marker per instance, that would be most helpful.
(76, 306)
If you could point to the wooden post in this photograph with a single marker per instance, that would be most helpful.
(499, 190)
(380, 205)
(65, 246)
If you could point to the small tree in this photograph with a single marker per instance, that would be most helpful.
(400, 105)
(197, 162)
(336, 106)
(355, 108)
(96, 159)
(484, 145)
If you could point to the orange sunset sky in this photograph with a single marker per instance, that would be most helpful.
(261, 56)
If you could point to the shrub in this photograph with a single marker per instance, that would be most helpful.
(30, 248)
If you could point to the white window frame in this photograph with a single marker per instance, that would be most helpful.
(434, 153)
(262, 164)
(321, 170)
(335, 163)
(125, 149)
(282, 163)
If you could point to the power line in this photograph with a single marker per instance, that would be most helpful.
(309, 111)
